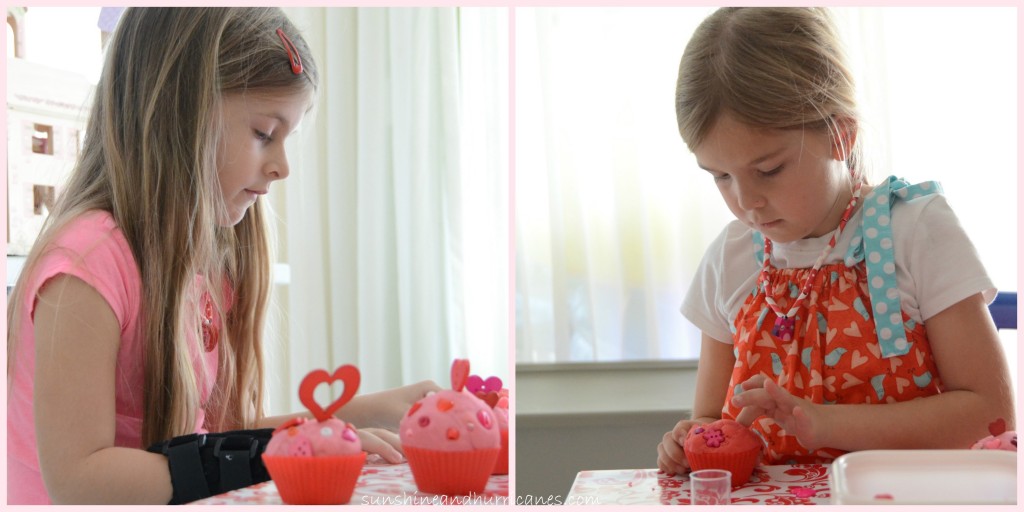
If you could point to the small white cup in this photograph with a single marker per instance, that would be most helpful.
(710, 487)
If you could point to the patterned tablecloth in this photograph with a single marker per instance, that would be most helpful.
(380, 484)
(801, 484)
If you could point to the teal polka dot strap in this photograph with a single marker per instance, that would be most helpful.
(873, 243)
(758, 250)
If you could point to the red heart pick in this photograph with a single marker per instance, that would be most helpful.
(491, 398)
(347, 374)
(460, 372)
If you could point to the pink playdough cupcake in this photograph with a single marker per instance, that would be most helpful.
(317, 461)
(451, 439)
(724, 444)
(492, 392)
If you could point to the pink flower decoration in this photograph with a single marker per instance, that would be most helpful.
(714, 437)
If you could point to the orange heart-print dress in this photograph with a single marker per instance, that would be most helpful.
(851, 343)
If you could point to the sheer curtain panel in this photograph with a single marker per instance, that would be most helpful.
(395, 222)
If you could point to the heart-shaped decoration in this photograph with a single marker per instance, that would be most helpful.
(491, 398)
(850, 381)
(347, 374)
(853, 330)
(858, 359)
(752, 359)
(476, 384)
(460, 372)
(997, 427)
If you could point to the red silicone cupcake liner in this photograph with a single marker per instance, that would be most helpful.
(315, 480)
(741, 465)
(451, 473)
(501, 465)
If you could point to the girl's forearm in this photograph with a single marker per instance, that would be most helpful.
(954, 419)
(111, 476)
(277, 421)
(360, 411)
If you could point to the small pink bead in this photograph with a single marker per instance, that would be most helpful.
(349, 435)
(484, 417)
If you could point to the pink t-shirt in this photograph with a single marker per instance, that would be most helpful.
(93, 249)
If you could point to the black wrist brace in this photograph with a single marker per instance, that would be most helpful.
(204, 465)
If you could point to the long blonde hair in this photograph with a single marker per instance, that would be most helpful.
(778, 68)
(149, 158)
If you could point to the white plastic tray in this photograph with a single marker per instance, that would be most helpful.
(933, 477)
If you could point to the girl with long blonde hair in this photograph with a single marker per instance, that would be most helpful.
(138, 316)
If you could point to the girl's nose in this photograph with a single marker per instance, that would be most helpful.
(747, 196)
(277, 168)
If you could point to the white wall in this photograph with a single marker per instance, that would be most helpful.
(585, 416)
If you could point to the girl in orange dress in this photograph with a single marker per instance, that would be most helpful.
(836, 315)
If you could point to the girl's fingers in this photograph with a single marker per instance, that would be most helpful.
(785, 402)
(754, 404)
(780, 395)
(382, 442)
(747, 415)
(757, 381)
(670, 457)
(680, 430)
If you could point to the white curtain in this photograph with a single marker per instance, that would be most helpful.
(613, 215)
(394, 222)
(609, 221)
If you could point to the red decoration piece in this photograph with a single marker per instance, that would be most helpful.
(294, 59)
(347, 374)
(289, 424)
(997, 427)
(490, 398)
(415, 407)
(460, 372)
(211, 333)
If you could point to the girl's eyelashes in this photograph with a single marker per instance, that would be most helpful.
(262, 136)
(764, 174)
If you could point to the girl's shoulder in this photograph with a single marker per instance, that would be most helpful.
(923, 217)
(91, 239)
(732, 257)
(88, 226)
(735, 247)
(734, 236)
(93, 249)
(88, 231)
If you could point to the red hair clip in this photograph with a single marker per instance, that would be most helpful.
(293, 52)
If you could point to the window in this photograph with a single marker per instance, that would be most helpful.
(612, 214)
(66, 38)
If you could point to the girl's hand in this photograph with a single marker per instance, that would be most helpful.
(671, 458)
(798, 417)
(382, 442)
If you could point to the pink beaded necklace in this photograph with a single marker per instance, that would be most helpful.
(784, 323)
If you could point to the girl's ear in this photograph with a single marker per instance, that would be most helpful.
(844, 136)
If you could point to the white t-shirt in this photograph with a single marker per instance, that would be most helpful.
(936, 265)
